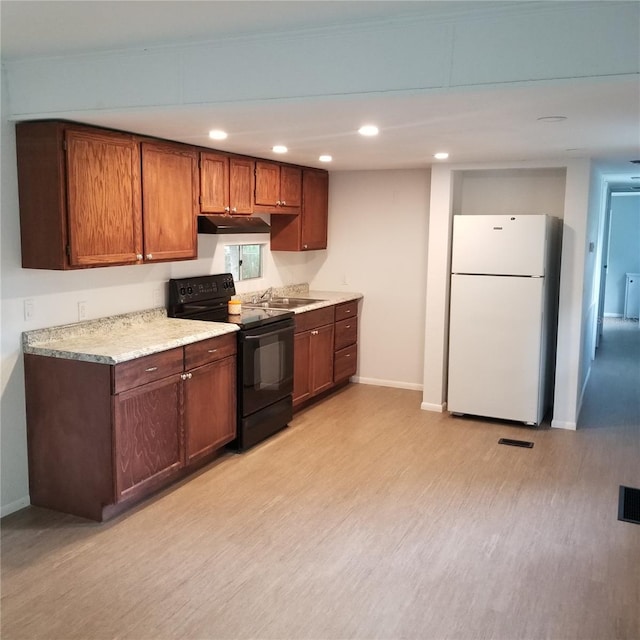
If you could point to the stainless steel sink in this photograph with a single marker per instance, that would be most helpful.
(282, 303)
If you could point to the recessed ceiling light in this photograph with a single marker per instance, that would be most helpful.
(279, 148)
(441, 155)
(552, 118)
(217, 134)
(325, 158)
(368, 130)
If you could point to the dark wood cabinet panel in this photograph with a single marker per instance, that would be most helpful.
(210, 408)
(69, 438)
(214, 183)
(301, 367)
(205, 351)
(148, 440)
(169, 201)
(346, 333)
(322, 358)
(241, 185)
(226, 184)
(313, 354)
(345, 363)
(307, 231)
(278, 188)
(79, 192)
(103, 198)
(139, 371)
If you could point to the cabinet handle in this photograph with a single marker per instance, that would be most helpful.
(347, 355)
(149, 256)
(211, 350)
(348, 326)
(150, 369)
(138, 256)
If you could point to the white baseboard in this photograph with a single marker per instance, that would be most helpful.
(388, 383)
(6, 509)
(559, 424)
(583, 390)
(430, 406)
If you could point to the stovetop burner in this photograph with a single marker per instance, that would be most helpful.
(206, 297)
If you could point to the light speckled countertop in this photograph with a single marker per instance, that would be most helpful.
(125, 337)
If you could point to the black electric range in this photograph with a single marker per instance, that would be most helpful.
(265, 353)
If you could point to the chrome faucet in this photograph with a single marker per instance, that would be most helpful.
(268, 293)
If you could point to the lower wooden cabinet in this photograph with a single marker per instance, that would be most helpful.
(325, 350)
(313, 354)
(101, 437)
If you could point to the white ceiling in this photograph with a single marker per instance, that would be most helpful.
(486, 125)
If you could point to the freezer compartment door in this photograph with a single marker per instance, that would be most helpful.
(495, 343)
(500, 245)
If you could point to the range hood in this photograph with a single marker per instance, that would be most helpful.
(232, 224)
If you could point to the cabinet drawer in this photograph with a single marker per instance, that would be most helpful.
(346, 333)
(345, 363)
(147, 369)
(346, 310)
(313, 319)
(205, 351)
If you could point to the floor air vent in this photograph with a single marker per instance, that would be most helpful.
(516, 443)
(629, 505)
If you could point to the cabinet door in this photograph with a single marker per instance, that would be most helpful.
(103, 198)
(241, 185)
(290, 187)
(322, 358)
(210, 408)
(214, 183)
(169, 201)
(301, 367)
(315, 208)
(148, 438)
(267, 189)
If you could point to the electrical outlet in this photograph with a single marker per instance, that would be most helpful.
(82, 311)
(29, 309)
(344, 279)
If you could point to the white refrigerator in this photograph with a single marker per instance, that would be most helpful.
(503, 316)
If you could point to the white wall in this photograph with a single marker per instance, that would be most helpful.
(377, 239)
(623, 251)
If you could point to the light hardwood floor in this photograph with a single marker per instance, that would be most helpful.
(367, 518)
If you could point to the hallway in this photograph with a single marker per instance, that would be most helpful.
(612, 398)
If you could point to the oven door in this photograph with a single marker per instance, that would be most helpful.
(266, 365)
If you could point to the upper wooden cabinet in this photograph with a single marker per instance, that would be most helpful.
(79, 192)
(278, 188)
(226, 184)
(307, 231)
(91, 197)
(169, 201)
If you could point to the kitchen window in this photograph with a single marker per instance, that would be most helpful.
(244, 261)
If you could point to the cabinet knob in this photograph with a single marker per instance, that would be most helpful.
(314, 333)
(234, 210)
(149, 256)
(306, 246)
(138, 256)
(226, 209)
(283, 203)
(183, 376)
(189, 375)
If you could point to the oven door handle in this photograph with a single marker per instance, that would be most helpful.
(269, 334)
